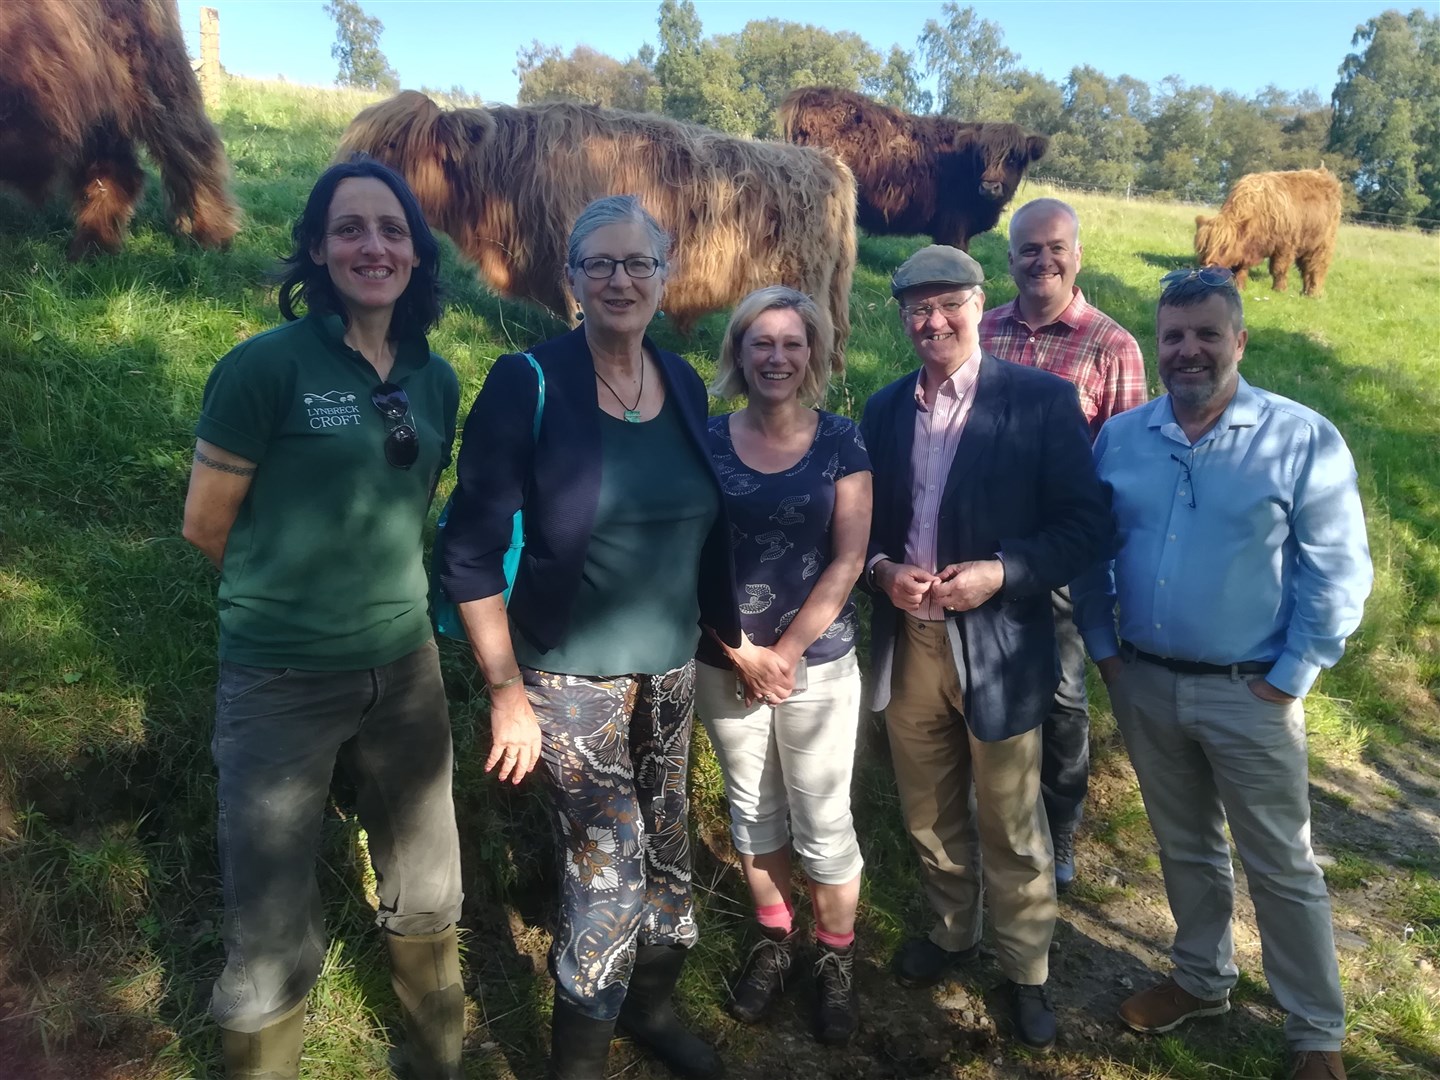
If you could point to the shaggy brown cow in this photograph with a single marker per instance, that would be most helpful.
(507, 183)
(917, 174)
(1287, 217)
(80, 83)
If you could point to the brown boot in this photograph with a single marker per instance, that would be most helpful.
(425, 972)
(272, 1053)
(1166, 1006)
(1317, 1065)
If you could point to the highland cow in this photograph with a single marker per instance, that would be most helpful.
(916, 174)
(507, 183)
(80, 85)
(1287, 217)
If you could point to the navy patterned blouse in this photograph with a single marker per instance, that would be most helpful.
(780, 531)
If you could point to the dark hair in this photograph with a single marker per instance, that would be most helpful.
(1192, 291)
(304, 280)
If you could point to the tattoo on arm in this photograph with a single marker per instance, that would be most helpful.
(221, 466)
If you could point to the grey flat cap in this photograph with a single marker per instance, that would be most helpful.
(937, 265)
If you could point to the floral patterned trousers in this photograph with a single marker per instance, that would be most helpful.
(615, 761)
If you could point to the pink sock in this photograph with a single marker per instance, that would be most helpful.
(835, 941)
(777, 916)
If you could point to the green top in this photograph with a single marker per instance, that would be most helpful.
(323, 567)
(638, 610)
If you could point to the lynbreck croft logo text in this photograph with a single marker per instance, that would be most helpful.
(333, 408)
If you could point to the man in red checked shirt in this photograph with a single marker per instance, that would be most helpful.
(1049, 325)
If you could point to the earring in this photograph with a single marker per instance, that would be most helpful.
(659, 313)
(579, 316)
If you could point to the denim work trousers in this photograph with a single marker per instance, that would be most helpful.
(1206, 749)
(279, 734)
(794, 760)
(971, 808)
(1065, 736)
(615, 761)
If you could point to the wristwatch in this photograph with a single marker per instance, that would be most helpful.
(870, 578)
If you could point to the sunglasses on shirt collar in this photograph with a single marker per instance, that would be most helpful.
(402, 444)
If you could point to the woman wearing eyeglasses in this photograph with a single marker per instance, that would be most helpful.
(319, 445)
(591, 670)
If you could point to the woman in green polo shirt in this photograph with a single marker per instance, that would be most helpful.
(319, 444)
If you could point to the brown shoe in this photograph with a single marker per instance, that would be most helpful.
(1166, 1006)
(1317, 1065)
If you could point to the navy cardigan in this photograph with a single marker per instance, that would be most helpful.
(557, 480)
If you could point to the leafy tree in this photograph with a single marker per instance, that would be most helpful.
(585, 75)
(1101, 142)
(897, 83)
(680, 63)
(1387, 114)
(1038, 104)
(775, 57)
(967, 57)
(357, 48)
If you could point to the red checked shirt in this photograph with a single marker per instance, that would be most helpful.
(1083, 345)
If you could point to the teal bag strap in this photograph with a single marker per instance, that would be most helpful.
(444, 614)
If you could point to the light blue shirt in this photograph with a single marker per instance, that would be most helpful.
(1270, 564)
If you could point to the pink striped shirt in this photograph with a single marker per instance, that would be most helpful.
(937, 432)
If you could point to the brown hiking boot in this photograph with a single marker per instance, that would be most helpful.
(1166, 1006)
(1317, 1065)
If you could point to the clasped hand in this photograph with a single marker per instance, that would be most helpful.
(957, 587)
(767, 675)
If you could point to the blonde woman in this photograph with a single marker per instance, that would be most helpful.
(782, 710)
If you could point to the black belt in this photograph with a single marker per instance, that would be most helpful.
(1197, 667)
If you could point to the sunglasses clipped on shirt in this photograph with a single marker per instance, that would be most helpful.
(402, 444)
(1213, 276)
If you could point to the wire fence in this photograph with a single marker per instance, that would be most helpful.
(1373, 218)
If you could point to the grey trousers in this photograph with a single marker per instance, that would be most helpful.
(1207, 750)
(279, 734)
(1065, 736)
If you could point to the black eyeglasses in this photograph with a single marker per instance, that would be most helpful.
(1189, 477)
(402, 444)
(1213, 276)
(602, 266)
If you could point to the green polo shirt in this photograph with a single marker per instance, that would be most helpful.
(323, 569)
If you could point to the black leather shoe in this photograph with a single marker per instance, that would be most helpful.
(920, 962)
(1034, 1015)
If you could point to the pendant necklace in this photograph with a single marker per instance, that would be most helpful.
(632, 416)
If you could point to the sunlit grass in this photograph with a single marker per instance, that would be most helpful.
(109, 897)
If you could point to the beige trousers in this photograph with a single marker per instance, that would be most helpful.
(971, 808)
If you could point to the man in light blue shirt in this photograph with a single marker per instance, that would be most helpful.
(1241, 566)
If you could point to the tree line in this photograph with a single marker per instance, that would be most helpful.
(1380, 131)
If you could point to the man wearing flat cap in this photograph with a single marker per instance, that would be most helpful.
(986, 500)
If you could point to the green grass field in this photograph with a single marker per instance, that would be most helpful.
(109, 899)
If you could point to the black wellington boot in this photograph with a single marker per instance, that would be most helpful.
(648, 1015)
(579, 1044)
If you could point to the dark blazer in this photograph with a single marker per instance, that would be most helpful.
(557, 479)
(1022, 484)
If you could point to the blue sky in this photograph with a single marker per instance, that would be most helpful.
(1240, 45)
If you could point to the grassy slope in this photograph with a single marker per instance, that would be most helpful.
(108, 895)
